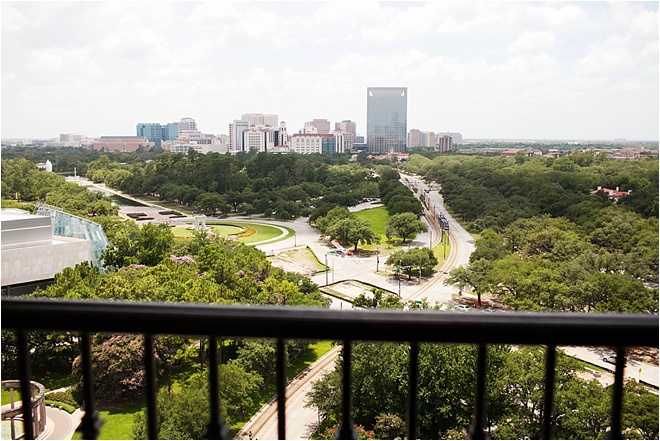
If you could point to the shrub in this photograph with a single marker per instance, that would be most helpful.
(65, 397)
(63, 406)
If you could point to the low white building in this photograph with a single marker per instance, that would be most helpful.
(30, 251)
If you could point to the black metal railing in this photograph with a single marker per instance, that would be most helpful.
(618, 331)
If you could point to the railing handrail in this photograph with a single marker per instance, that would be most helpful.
(579, 329)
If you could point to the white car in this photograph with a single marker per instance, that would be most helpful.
(611, 359)
(462, 308)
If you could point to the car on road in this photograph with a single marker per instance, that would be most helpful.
(610, 359)
(462, 308)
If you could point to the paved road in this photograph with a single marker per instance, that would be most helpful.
(649, 373)
(301, 422)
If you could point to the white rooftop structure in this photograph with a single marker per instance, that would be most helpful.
(30, 251)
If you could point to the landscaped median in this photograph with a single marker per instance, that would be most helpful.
(246, 232)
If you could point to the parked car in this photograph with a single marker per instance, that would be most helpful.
(462, 308)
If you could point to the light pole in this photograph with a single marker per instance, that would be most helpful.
(398, 271)
(294, 239)
(377, 258)
(326, 270)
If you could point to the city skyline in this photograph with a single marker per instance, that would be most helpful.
(515, 70)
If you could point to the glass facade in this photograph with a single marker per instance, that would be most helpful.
(68, 225)
(387, 119)
(151, 131)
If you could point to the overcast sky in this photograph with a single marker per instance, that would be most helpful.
(513, 70)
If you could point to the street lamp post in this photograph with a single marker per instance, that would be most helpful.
(295, 243)
(377, 258)
(326, 270)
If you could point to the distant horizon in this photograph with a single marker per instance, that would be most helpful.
(540, 70)
(465, 140)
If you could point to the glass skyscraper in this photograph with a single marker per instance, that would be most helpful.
(387, 119)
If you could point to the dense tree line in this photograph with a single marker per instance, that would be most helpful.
(446, 379)
(545, 241)
(492, 192)
(284, 186)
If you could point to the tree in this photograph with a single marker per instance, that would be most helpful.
(389, 426)
(414, 260)
(475, 277)
(380, 299)
(118, 365)
(353, 230)
(184, 414)
(324, 223)
(406, 225)
(154, 243)
(640, 411)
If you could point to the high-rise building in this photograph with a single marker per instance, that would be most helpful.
(414, 138)
(261, 139)
(350, 133)
(187, 125)
(152, 131)
(444, 143)
(170, 131)
(282, 135)
(236, 129)
(322, 126)
(260, 119)
(387, 118)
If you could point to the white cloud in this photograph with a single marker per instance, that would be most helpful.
(533, 41)
(488, 69)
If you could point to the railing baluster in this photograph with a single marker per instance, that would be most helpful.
(548, 399)
(477, 429)
(26, 390)
(617, 394)
(215, 429)
(150, 378)
(91, 423)
(412, 390)
(346, 431)
(281, 389)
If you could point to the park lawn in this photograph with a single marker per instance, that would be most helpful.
(227, 230)
(264, 232)
(6, 399)
(378, 218)
(182, 232)
(117, 423)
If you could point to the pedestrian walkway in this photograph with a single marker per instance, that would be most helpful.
(60, 424)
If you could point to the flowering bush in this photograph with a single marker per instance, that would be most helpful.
(182, 259)
(331, 432)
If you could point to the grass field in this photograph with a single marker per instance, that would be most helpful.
(227, 230)
(378, 218)
(264, 232)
